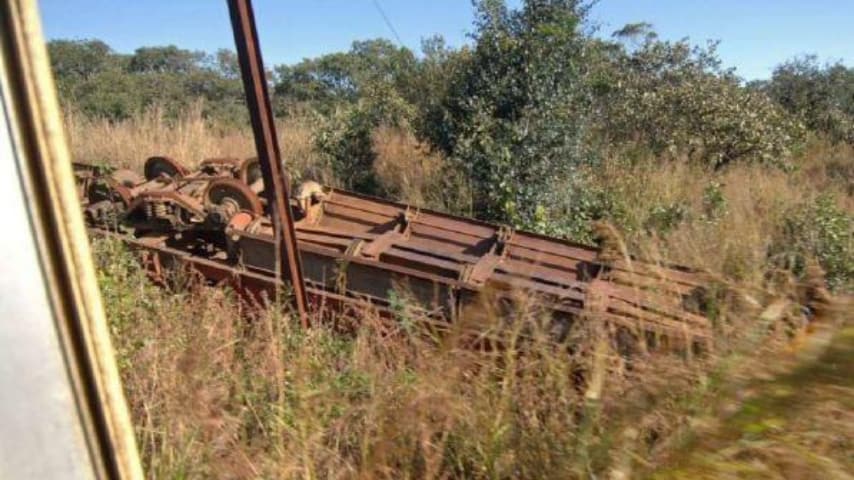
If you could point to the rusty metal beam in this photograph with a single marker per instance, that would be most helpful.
(288, 265)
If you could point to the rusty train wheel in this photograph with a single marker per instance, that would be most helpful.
(250, 171)
(156, 167)
(223, 191)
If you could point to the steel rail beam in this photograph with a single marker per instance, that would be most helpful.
(288, 266)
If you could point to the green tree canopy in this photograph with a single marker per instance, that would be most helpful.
(79, 58)
(514, 114)
(822, 96)
(168, 59)
(333, 79)
(676, 97)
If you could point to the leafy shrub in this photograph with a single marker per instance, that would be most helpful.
(665, 217)
(714, 201)
(675, 97)
(513, 118)
(819, 230)
(344, 138)
(576, 204)
(821, 96)
(344, 141)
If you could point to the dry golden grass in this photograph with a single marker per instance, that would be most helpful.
(128, 143)
(216, 394)
(219, 392)
(734, 241)
(410, 172)
(188, 139)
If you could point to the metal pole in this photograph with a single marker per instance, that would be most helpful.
(267, 145)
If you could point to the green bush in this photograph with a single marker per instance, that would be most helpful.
(819, 230)
(714, 201)
(344, 137)
(665, 217)
(344, 142)
(821, 96)
(513, 118)
(674, 97)
(576, 204)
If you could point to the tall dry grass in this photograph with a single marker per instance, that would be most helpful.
(216, 393)
(729, 220)
(410, 172)
(188, 139)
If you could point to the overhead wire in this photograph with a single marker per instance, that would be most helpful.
(387, 21)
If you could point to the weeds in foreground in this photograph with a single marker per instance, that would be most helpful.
(219, 391)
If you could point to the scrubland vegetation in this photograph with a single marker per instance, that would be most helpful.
(543, 125)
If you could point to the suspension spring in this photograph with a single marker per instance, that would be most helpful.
(160, 210)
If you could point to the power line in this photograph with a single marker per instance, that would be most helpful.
(388, 22)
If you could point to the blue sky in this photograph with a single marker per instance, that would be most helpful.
(755, 34)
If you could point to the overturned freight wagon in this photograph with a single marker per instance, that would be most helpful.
(358, 250)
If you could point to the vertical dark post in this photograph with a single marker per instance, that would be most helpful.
(267, 145)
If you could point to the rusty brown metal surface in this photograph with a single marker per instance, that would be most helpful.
(287, 264)
(372, 252)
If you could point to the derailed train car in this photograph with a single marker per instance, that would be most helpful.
(358, 250)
